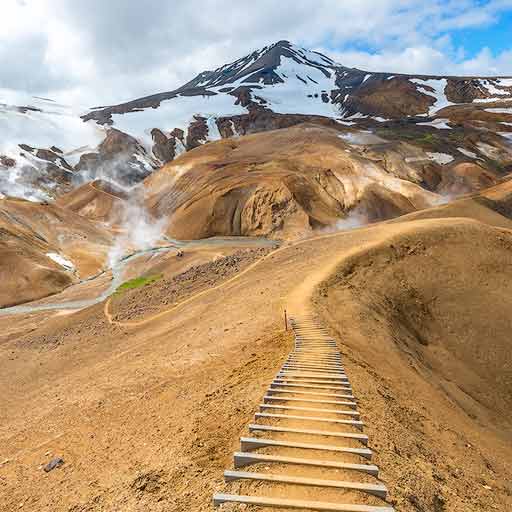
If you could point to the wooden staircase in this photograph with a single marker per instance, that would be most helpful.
(307, 449)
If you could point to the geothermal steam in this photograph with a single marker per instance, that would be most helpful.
(139, 230)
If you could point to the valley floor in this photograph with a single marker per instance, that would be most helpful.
(147, 415)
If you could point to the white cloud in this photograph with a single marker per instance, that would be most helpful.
(429, 60)
(101, 52)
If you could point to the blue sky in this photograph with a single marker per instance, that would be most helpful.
(100, 52)
(466, 37)
(496, 36)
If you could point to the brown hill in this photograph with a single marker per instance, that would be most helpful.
(30, 233)
(420, 310)
(97, 200)
(287, 183)
(425, 316)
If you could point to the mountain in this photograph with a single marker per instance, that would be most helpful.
(49, 149)
(286, 79)
(45, 248)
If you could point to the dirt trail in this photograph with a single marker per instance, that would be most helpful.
(298, 301)
(147, 414)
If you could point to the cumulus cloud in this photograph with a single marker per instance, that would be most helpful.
(429, 60)
(102, 52)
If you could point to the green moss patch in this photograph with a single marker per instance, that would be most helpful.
(138, 282)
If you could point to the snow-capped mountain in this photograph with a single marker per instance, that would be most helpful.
(285, 79)
(47, 148)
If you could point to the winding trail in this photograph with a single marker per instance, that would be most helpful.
(297, 300)
(295, 305)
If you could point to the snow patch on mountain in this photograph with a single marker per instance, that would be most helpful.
(305, 91)
(467, 152)
(213, 129)
(436, 89)
(175, 113)
(179, 148)
(42, 123)
(440, 158)
(492, 100)
(507, 110)
(61, 260)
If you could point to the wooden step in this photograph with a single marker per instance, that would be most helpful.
(299, 373)
(318, 361)
(314, 360)
(300, 384)
(312, 332)
(252, 443)
(363, 438)
(306, 362)
(296, 365)
(330, 350)
(355, 423)
(318, 365)
(322, 391)
(375, 489)
(266, 398)
(316, 342)
(310, 386)
(354, 414)
(310, 380)
(242, 459)
(219, 499)
(324, 373)
(310, 393)
(333, 353)
(291, 372)
(316, 338)
(315, 352)
(305, 385)
(307, 328)
(316, 347)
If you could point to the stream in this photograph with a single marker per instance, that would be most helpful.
(117, 272)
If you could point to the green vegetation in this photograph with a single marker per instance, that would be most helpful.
(428, 138)
(409, 133)
(138, 282)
